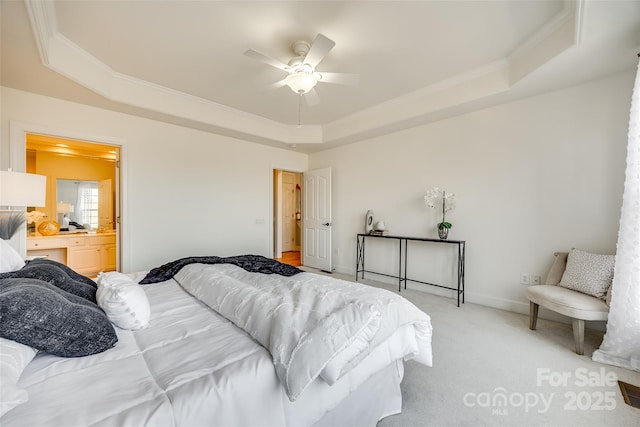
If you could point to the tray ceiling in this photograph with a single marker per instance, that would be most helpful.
(418, 61)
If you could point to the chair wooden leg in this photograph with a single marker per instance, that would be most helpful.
(533, 315)
(578, 335)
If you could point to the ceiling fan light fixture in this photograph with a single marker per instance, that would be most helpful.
(301, 82)
(301, 69)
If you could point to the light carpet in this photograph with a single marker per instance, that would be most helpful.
(491, 370)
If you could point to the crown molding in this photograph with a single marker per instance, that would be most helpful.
(439, 100)
(423, 103)
(44, 23)
(558, 35)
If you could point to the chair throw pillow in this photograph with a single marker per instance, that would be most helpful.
(43, 316)
(588, 273)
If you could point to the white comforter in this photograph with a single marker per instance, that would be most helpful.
(311, 325)
(192, 367)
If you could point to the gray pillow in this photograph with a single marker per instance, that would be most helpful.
(57, 275)
(588, 273)
(68, 270)
(42, 316)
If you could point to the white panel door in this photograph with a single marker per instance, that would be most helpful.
(317, 219)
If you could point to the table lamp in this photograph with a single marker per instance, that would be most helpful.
(19, 190)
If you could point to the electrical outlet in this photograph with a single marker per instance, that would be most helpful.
(535, 280)
(524, 279)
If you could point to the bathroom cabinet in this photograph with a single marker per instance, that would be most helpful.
(87, 253)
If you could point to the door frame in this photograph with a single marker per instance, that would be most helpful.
(18, 161)
(272, 218)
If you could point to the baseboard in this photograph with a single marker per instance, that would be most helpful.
(500, 303)
(521, 307)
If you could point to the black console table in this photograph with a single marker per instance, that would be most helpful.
(402, 255)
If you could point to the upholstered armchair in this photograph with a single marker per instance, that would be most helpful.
(590, 273)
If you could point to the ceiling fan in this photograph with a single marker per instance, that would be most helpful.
(302, 75)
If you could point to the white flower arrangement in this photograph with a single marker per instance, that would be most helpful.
(35, 216)
(437, 198)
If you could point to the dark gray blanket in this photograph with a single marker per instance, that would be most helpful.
(251, 263)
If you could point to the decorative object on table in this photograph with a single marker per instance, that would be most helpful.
(379, 229)
(33, 219)
(18, 190)
(440, 199)
(368, 222)
(443, 231)
(48, 228)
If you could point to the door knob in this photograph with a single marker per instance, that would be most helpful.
(327, 224)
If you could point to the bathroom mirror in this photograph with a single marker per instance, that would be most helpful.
(84, 203)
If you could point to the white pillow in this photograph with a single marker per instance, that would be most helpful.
(123, 300)
(14, 357)
(588, 273)
(10, 260)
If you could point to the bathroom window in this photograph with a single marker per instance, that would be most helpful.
(88, 201)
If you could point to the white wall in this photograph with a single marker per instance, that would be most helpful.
(531, 177)
(187, 192)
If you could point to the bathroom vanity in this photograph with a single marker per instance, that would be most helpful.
(86, 253)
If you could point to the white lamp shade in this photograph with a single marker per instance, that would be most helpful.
(301, 82)
(19, 189)
(64, 208)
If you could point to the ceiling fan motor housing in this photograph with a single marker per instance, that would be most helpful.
(301, 48)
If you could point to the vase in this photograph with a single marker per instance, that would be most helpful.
(48, 228)
(443, 233)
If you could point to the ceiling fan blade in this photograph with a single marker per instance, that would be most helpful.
(276, 85)
(320, 47)
(340, 78)
(267, 60)
(312, 98)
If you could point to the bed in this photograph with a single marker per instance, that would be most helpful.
(226, 342)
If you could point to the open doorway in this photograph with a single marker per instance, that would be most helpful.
(287, 215)
(82, 199)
